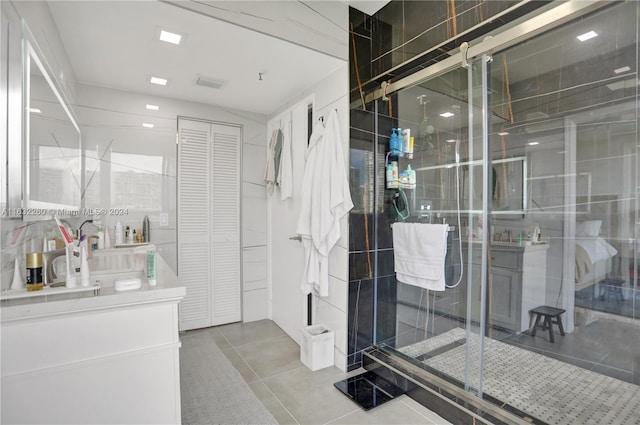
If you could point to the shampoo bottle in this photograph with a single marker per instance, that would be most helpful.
(394, 170)
(389, 176)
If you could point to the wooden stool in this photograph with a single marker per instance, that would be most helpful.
(551, 316)
(612, 287)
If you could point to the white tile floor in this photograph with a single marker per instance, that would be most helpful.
(269, 361)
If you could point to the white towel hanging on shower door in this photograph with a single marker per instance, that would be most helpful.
(419, 252)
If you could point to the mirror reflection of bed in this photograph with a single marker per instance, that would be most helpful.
(603, 257)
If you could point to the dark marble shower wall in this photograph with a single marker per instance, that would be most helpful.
(401, 38)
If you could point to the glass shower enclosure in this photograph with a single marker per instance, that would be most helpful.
(528, 150)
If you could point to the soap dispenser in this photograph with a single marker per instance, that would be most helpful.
(394, 143)
(412, 176)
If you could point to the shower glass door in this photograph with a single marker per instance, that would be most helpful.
(531, 156)
(432, 328)
(566, 101)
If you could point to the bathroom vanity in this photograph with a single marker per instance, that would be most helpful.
(517, 283)
(82, 357)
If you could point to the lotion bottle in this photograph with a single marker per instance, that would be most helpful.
(118, 233)
(151, 267)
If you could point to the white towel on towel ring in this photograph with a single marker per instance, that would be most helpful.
(419, 252)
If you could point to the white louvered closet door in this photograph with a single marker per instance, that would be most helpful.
(225, 224)
(209, 223)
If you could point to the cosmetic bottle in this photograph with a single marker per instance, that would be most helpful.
(34, 271)
(118, 233)
(389, 176)
(146, 236)
(151, 267)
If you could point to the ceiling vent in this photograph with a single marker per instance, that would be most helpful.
(209, 82)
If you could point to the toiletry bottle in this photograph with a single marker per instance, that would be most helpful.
(406, 140)
(151, 267)
(411, 143)
(133, 236)
(412, 176)
(107, 239)
(403, 179)
(145, 230)
(100, 238)
(118, 233)
(139, 237)
(394, 145)
(400, 143)
(394, 169)
(34, 271)
(128, 236)
(389, 176)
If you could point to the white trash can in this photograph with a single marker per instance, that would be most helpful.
(316, 351)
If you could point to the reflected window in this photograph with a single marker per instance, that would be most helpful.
(136, 181)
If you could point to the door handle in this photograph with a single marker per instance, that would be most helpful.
(296, 238)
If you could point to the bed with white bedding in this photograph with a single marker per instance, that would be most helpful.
(593, 255)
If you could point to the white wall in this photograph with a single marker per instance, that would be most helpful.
(333, 93)
(115, 142)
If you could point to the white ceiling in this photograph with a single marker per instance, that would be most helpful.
(115, 44)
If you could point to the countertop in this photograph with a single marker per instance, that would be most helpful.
(167, 289)
(499, 245)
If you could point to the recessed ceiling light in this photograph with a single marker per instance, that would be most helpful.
(587, 36)
(621, 70)
(447, 114)
(451, 140)
(153, 107)
(35, 111)
(159, 81)
(533, 143)
(503, 133)
(170, 37)
(147, 125)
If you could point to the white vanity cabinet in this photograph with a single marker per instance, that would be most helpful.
(107, 358)
(518, 284)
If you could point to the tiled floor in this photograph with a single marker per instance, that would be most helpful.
(269, 361)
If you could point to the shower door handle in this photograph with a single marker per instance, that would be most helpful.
(296, 238)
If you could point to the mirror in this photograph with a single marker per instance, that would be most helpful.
(52, 147)
(509, 192)
(508, 189)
